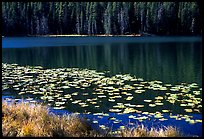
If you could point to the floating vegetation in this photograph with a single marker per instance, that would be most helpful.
(85, 90)
(158, 115)
(95, 122)
(165, 110)
(152, 105)
(115, 110)
(147, 100)
(188, 110)
(163, 119)
(159, 103)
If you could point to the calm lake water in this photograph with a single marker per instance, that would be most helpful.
(171, 60)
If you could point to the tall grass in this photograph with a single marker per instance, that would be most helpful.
(142, 131)
(26, 120)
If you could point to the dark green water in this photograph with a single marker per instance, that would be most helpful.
(171, 60)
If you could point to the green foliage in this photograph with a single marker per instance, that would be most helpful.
(40, 18)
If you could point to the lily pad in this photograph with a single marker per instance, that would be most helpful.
(165, 110)
(152, 105)
(115, 110)
(188, 110)
(129, 98)
(147, 100)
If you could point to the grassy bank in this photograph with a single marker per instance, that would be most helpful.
(35, 120)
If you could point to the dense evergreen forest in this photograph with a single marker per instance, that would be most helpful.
(42, 18)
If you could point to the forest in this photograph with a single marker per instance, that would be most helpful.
(94, 18)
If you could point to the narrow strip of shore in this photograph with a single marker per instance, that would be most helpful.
(77, 35)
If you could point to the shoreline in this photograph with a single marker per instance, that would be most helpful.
(76, 35)
(103, 35)
(84, 35)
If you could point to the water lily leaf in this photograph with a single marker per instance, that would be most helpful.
(199, 121)
(139, 106)
(159, 97)
(85, 105)
(128, 110)
(192, 121)
(119, 106)
(112, 118)
(95, 122)
(117, 96)
(105, 114)
(139, 91)
(145, 113)
(129, 98)
(65, 87)
(103, 96)
(76, 101)
(147, 100)
(93, 102)
(197, 110)
(196, 92)
(102, 126)
(152, 105)
(58, 108)
(129, 94)
(188, 110)
(157, 101)
(75, 93)
(122, 127)
(85, 94)
(131, 116)
(163, 119)
(117, 121)
(183, 105)
(59, 103)
(159, 104)
(158, 116)
(111, 100)
(97, 113)
(165, 110)
(20, 93)
(140, 79)
(168, 85)
(191, 104)
(173, 116)
(115, 110)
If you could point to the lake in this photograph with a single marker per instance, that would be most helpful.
(154, 76)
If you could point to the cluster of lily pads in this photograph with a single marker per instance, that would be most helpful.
(99, 93)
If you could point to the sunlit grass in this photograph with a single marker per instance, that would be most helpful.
(24, 120)
(142, 131)
(34, 120)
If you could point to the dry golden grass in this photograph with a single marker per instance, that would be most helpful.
(26, 120)
(34, 120)
(142, 131)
